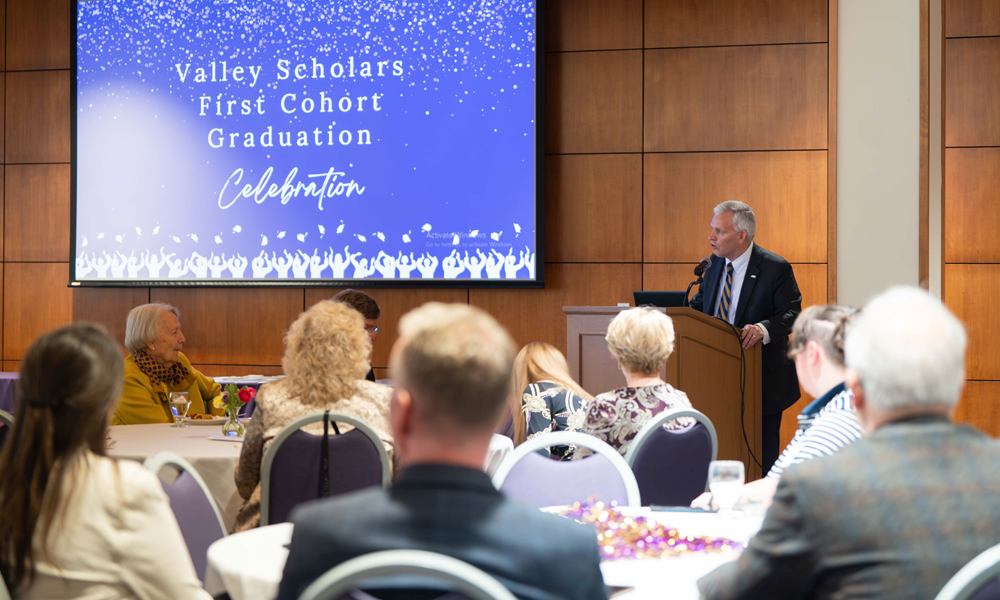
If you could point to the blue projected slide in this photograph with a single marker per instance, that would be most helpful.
(260, 140)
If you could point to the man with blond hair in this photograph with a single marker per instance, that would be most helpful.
(452, 367)
(897, 513)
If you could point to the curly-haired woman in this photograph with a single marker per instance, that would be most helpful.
(326, 358)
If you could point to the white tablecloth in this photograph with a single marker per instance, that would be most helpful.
(215, 461)
(248, 565)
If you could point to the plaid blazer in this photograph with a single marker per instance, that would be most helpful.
(893, 515)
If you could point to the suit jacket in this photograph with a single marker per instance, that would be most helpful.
(455, 511)
(771, 297)
(892, 516)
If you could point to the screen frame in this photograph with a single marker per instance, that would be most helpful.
(537, 283)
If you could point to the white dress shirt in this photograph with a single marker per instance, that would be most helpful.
(739, 274)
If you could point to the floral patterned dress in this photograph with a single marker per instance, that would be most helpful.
(616, 417)
(547, 406)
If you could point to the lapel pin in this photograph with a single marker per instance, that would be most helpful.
(753, 277)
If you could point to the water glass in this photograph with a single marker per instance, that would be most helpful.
(179, 404)
(725, 481)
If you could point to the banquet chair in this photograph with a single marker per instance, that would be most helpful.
(671, 467)
(420, 568)
(528, 476)
(979, 579)
(292, 470)
(6, 424)
(196, 512)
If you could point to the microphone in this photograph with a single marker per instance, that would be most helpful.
(704, 265)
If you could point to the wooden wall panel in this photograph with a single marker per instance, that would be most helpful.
(593, 208)
(536, 315)
(238, 370)
(971, 219)
(971, 18)
(593, 102)
(12, 365)
(593, 24)
(3, 36)
(972, 292)
(680, 23)
(38, 34)
(234, 326)
(108, 307)
(36, 213)
(736, 98)
(36, 299)
(787, 191)
(980, 406)
(37, 117)
(971, 89)
(3, 101)
(394, 303)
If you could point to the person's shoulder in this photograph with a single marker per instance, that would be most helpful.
(328, 514)
(769, 257)
(548, 530)
(373, 391)
(132, 484)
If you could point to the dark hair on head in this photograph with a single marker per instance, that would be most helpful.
(71, 379)
(359, 301)
(824, 324)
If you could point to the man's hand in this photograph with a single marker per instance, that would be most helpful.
(703, 501)
(750, 335)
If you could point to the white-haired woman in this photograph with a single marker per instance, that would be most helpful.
(641, 340)
(155, 367)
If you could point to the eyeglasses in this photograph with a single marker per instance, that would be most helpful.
(371, 329)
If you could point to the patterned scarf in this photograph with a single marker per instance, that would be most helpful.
(158, 373)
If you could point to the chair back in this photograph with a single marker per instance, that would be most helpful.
(6, 425)
(540, 481)
(977, 580)
(465, 579)
(290, 470)
(196, 512)
(671, 467)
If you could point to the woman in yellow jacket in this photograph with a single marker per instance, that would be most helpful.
(156, 367)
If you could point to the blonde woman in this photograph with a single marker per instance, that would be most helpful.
(544, 397)
(326, 358)
(641, 340)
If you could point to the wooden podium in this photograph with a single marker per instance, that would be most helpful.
(705, 365)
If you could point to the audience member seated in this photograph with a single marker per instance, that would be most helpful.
(157, 367)
(641, 340)
(452, 365)
(74, 523)
(544, 397)
(366, 305)
(897, 513)
(829, 422)
(326, 356)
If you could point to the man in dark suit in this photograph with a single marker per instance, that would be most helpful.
(897, 513)
(755, 291)
(366, 305)
(452, 366)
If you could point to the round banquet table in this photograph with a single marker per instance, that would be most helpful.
(216, 460)
(248, 565)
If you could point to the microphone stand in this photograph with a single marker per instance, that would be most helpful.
(687, 294)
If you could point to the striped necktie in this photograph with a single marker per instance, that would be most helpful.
(727, 294)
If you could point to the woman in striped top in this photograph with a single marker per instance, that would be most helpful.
(828, 423)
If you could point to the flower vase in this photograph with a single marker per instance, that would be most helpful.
(233, 425)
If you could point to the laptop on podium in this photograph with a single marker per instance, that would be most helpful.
(660, 299)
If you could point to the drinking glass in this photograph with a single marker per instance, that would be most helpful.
(725, 481)
(179, 404)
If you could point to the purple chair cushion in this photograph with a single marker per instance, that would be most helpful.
(354, 464)
(541, 482)
(989, 591)
(672, 466)
(194, 513)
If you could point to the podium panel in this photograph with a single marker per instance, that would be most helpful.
(706, 364)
